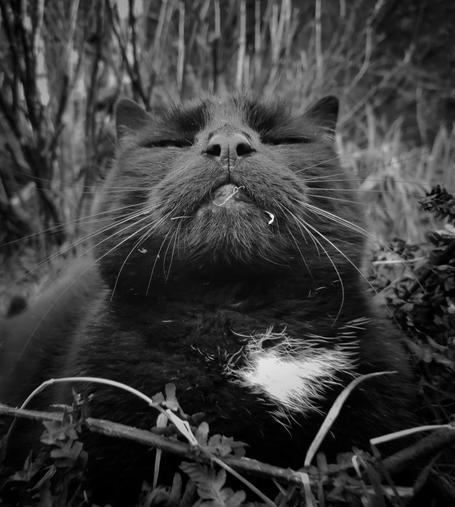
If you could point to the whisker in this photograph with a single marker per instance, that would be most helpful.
(299, 249)
(140, 240)
(286, 209)
(155, 262)
(339, 199)
(335, 218)
(321, 164)
(128, 217)
(79, 242)
(175, 235)
(85, 219)
(306, 226)
(362, 180)
(342, 253)
(46, 313)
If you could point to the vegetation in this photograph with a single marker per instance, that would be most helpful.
(63, 66)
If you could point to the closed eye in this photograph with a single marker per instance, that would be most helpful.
(165, 143)
(287, 140)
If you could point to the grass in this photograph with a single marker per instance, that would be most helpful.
(394, 176)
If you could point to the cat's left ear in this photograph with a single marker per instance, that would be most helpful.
(129, 117)
(324, 113)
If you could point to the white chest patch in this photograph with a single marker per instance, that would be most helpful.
(294, 373)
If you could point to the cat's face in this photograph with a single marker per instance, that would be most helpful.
(233, 186)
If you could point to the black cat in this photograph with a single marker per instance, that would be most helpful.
(225, 261)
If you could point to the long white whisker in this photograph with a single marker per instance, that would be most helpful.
(85, 219)
(144, 236)
(342, 253)
(307, 226)
(173, 249)
(299, 249)
(45, 314)
(155, 262)
(335, 218)
(311, 236)
(83, 239)
(338, 199)
(320, 163)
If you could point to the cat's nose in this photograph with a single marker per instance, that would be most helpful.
(229, 146)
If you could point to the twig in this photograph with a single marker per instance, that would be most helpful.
(137, 73)
(15, 61)
(181, 49)
(257, 39)
(215, 45)
(393, 464)
(150, 439)
(318, 41)
(29, 58)
(68, 80)
(242, 46)
(135, 84)
(429, 445)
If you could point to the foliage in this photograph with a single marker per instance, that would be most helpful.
(440, 203)
(418, 284)
(55, 475)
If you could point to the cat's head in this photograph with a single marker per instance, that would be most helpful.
(234, 187)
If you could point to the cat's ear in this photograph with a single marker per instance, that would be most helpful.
(129, 117)
(324, 113)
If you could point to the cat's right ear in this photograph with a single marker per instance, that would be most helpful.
(324, 113)
(129, 117)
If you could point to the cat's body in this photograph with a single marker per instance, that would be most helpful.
(227, 266)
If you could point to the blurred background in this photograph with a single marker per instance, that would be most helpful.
(64, 64)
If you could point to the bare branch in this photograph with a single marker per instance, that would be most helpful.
(135, 84)
(242, 46)
(136, 70)
(150, 439)
(181, 48)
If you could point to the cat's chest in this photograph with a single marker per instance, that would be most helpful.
(291, 368)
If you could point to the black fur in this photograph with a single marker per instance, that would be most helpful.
(222, 273)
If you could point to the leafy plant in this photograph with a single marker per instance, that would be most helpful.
(418, 284)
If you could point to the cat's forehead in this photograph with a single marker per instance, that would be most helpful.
(237, 110)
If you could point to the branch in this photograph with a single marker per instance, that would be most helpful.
(136, 85)
(11, 118)
(149, 439)
(181, 49)
(401, 460)
(242, 46)
(29, 58)
(15, 61)
(136, 70)
(68, 81)
(427, 446)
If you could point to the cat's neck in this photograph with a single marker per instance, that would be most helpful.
(281, 295)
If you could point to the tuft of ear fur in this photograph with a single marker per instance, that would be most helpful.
(129, 117)
(324, 113)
